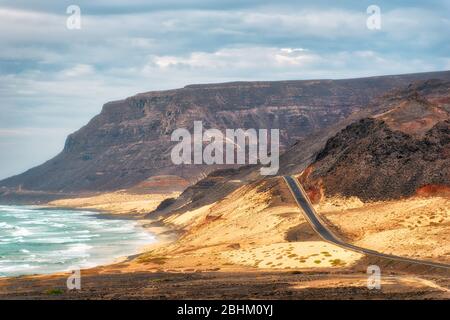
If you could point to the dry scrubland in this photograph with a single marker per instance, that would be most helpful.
(259, 226)
(417, 227)
(255, 243)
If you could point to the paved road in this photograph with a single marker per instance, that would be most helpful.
(326, 234)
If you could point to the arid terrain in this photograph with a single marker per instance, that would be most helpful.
(415, 227)
(137, 201)
(378, 176)
(221, 250)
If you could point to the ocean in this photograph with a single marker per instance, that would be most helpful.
(34, 240)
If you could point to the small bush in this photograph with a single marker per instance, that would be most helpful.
(337, 262)
(54, 292)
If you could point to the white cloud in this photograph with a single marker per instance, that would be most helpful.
(237, 59)
(295, 57)
(79, 70)
(51, 76)
(271, 63)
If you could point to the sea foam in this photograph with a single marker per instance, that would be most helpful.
(37, 241)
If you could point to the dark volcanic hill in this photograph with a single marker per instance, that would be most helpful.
(129, 141)
(391, 155)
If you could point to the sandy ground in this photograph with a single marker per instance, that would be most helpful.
(295, 255)
(119, 202)
(255, 243)
(223, 285)
(257, 226)
(416, 227)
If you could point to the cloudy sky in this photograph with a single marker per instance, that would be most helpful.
(53, 79)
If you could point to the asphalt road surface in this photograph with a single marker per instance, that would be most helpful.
(326, 234)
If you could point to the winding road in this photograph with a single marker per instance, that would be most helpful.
(326, 234)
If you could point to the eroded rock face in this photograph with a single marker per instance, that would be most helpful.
(373, 162)
(400, 149)
(129, 141)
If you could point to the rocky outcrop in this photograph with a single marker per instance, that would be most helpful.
(376, 160)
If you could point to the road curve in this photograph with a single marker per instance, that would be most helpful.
(326, 234)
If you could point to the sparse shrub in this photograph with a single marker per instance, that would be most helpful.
(337, 262)
(54, 292)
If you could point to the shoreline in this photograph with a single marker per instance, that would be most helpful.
(152, 280)
(161, 234)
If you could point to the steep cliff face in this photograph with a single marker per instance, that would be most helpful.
(129, 141)
(395, 154)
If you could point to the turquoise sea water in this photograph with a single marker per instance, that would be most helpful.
(35, 240)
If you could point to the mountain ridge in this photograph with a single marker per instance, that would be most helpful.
(129, 141)
(399, 153)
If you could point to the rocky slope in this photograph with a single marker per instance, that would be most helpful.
(409, 109)
(129, 141)
(395, 154)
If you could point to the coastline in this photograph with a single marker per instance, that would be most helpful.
(213, 279)
(160, 234)
(163, 234)
(127, 205)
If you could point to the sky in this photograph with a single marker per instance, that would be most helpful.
(54, 79)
